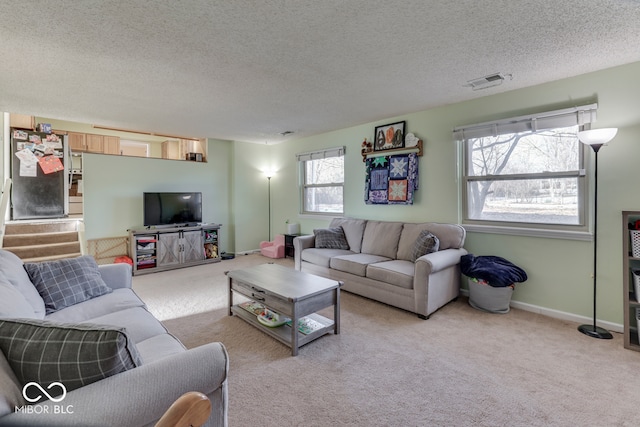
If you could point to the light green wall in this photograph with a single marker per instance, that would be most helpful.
(249, 188)
(234, 188)
(559, 270)
(113, 187)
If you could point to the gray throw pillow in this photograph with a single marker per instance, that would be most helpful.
(72, 354)
(426, 243)
(331, 238)
(66, 282)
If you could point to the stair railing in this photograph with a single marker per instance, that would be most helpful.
(4, 206)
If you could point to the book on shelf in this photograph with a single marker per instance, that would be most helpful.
(252, 307)
(306, 325)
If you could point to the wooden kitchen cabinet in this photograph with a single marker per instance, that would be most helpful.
(111, 145)
(22, 121)
(95, 143)
(77, 141)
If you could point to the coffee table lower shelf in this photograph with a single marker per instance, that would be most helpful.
(283, 333)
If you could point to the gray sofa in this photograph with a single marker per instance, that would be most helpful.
(137, 396)
(378, 263)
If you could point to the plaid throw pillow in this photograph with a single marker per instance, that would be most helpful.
(425, 244)
(66, 282)
(72, 354)
(331, 238)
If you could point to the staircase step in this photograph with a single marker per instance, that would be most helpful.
(15, 240)
(40, 227)
(51, 258)
(38, 251)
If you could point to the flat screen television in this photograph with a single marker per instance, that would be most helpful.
(172, 208)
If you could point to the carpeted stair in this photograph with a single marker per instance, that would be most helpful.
(43, 241)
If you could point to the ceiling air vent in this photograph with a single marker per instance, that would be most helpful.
(488, 81)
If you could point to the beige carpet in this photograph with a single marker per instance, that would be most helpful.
(462, 367)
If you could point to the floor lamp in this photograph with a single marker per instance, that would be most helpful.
(596, 138)
(269, 175)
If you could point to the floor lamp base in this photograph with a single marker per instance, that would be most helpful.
(595, 332)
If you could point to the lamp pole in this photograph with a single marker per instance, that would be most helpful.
(269, 196)
(595, 139)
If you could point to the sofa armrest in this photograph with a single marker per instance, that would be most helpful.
(436, 261)
(116, 275)
(301, 243)
(140, 396)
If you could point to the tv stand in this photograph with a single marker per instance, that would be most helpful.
(167, 248)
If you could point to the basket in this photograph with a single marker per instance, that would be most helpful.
(638, 322)
(487, 298)
(635, 243)
(636, 283)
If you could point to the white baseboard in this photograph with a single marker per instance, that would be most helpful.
(562, 315)
(253, 251)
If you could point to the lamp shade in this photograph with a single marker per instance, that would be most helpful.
(597, 136)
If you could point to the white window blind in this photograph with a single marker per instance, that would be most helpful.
(534, 122)
(321, 154)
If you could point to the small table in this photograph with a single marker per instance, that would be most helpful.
(288, 292)
(289, 250)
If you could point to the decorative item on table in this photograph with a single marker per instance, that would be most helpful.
(292, 227)
(411, 141)
(389, 136)
(44, 127)
(252, 307)
(366, 146)
(492, 280)
(306, 325)
(271, 318)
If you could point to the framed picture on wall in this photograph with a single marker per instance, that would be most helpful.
(389, 136)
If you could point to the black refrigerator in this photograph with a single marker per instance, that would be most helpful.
(39, 174)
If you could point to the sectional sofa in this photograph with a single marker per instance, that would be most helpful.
(388, 261)
(78, 332)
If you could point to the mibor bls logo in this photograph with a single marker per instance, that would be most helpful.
(55, 392)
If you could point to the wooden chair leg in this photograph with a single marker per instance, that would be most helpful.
(192, 409)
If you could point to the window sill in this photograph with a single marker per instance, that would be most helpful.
(530, 232)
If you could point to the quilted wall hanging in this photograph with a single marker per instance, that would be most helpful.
(391, 180)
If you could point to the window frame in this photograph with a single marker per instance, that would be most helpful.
(303, 158)
(580, 116)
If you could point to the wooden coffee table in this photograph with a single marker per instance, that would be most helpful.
(288, 292)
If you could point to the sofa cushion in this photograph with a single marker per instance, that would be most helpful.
(139, 322)
(159, 346)
(12, 302)
(395, 272)
(118, 300)
(353, 231)
(72, 354)
(13, 269)
(322, 257)
(355, 263)
(426, 243)
(330, 238)
(66, 282)
(10, 388)
(381, 238)
(449, 236)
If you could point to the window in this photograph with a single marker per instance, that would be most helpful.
(526, 172)
(322, 181)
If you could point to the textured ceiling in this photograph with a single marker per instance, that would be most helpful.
(250, 69)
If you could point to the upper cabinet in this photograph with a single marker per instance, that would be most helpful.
(183, 149)
(22, 121)
(77, 141)
(111, 145)
(88, 138)
(95, 143)
(92, 143)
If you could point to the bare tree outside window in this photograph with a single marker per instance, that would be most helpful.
(323, 185)
(526, 177)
